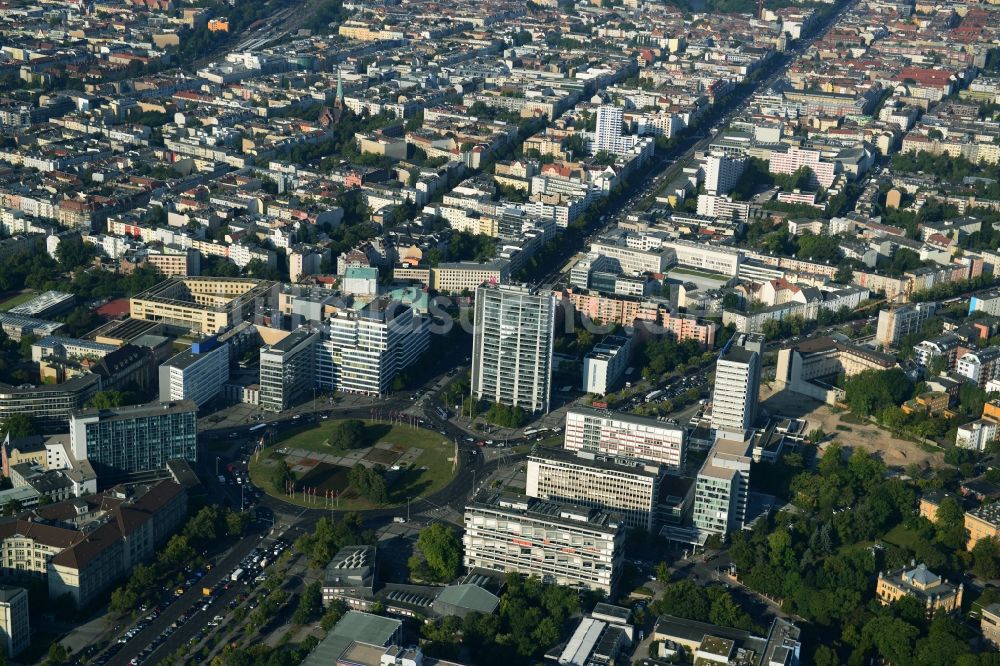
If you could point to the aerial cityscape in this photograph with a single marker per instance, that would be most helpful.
(442, 333)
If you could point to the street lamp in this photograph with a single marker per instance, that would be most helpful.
(217, 465)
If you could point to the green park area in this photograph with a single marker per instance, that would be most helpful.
(363, 464)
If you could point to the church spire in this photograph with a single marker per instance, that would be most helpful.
(340, 89)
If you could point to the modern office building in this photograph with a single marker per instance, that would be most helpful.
(512, 346)
(288, 369)
(629, 488)
(606, 364)
(625, 435)
(362, 351)
(15, 624)
(197, 374)
(560, 543)
(141, 438)
(737, 384)
(722, 488)
(201, 304)
(896, 323)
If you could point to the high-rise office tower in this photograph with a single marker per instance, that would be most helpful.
(723, 487)
(737, 383)
(609, 127)
(512, 346)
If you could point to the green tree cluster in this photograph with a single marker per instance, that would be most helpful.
(329, 536)
(369, 482)
(505, 416)
(441, 552)
(660, 356)
(871, 391)
(348, 434)
(531, 619)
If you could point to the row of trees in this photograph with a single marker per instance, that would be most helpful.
(182, 551)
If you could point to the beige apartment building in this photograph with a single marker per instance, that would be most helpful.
(982, 522)
(200, 304)
(467, 276)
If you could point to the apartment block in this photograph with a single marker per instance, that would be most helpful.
(625, 435)
(140, 438)
(621, 486)
(512, 346)
(722, 173)
(896, 323)
(986, 301)
(790, 161)
(980, 366)
(456, 278)
(560, 543)
(175, 262)
(982, 522)
(989, 624)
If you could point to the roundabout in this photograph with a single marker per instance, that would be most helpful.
(354, 465)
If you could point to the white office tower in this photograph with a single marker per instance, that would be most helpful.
(609, 128)
(512, 346)
(722, 173)
(363, 350)
(737, 384)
